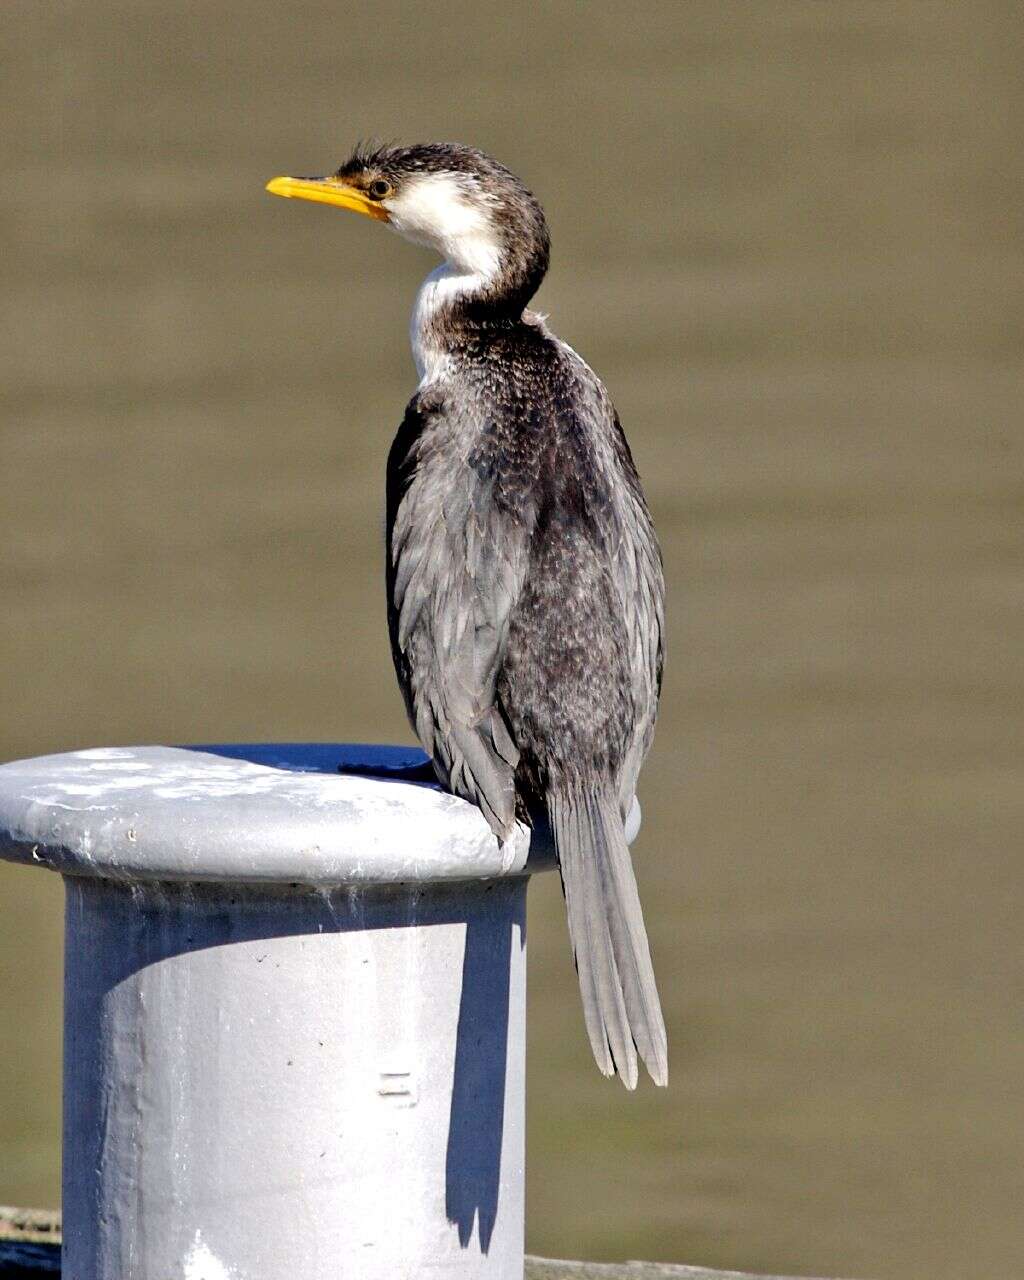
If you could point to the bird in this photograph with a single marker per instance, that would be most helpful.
(525, 586)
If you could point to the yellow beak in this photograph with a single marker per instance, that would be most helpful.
(328, 191)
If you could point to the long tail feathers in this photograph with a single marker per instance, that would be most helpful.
(606, 925)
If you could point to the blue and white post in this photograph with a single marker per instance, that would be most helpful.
(294, 1015)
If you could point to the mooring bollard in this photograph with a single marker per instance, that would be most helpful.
(294, 1014)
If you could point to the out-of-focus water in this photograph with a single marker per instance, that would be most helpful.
(789, 237)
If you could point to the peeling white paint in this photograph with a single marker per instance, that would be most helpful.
(202, 1265)
(186, 808)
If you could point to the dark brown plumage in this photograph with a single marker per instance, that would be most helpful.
(524, 581)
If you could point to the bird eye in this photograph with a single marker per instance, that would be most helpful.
(379, 188)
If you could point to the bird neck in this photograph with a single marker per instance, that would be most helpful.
(464, 300)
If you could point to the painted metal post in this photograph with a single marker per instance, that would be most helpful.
(294, 1018)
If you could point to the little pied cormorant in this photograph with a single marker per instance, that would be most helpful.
(524, 580)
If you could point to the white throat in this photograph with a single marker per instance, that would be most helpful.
(439, 211)
(436, 293)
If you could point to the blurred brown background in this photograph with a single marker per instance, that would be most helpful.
(788, 235)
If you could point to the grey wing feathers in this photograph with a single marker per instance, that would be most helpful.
(454, 576)
(641, 585)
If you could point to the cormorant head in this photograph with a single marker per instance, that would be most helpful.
(455, 199)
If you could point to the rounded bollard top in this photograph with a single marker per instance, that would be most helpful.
(264, 813)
